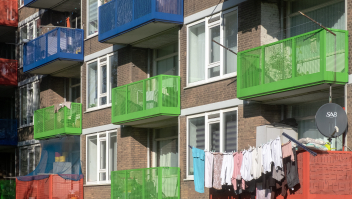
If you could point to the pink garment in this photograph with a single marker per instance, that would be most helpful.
(237, 158)
(287, 151)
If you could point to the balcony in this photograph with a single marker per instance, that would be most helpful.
(48, 123)
(8, 132)
(54, 52)
(125, 22)
(158, 183)
(147, 102)
(293, 69)
(8, 20)
(8, 72)
(57, 5)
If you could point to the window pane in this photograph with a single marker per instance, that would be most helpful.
(38, 28)
(37, 152)
(75, 94)
(103, 79)
(103, 100)
(24, 105)
(214, 47)
(102, 176)
(36, 96)
(112, 153)
(230, 41)
(113, 67)
(24, 33)
(24, 162)
(214, 137)
(30, 104)
(102, 154)
(92, 85)
(75, 81)
(196, 53)
(196, 133)
(167, 153)
(167, 50)
(30, 31)
(92, 159)
(167, 66)
(93, 16)
(31, 162)
(230, 131)
(214, 72)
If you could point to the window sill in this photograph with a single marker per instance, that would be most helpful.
(91, 36)
(209, 82)
(97, 109)
(188, 179)
(24, 126)
(98, 184)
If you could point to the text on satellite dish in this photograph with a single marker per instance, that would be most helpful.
(331, 114)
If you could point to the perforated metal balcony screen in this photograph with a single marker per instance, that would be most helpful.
(120, 12)
(8, 132)
(66, 121)
(8, 13)
(146, 96)
(8, 72)
(302, 55)
(59, 40)
(158, 183)
(7, 189)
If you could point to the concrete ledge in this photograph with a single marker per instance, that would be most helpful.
(211, 107)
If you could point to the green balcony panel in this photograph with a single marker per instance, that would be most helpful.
(158, 183)
(293, 66)
(147, 102)
(65, 121)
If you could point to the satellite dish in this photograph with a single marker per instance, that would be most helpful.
(331, 120)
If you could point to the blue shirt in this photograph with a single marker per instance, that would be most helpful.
(198, 167)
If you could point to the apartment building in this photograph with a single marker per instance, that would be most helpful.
(140, 81)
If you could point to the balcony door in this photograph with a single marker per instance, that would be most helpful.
(166, 60)
(166, 147)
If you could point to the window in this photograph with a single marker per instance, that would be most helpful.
(92, 14)
(207, 60)
(75, 90)
(329, 13)
(29, 102)
(166, 60)
(101, 157)
(102, 77)
(29, 158)
(214, 131)
(21, 2)
(166, 147)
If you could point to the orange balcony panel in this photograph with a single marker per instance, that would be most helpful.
(8, 13)
(8, 72)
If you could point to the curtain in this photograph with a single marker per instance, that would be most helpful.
(214, 47)
(332, 16)
(92, 84)
(167, 66)
(230, 41)
(168, 153)
(230, 134)
(93, 17)
(92, 159)
(196, 138)
(112, 153)
(196, 53)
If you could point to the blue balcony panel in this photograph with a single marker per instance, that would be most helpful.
(8, 132)
(58, 50)
(129, 21)
(58, 5)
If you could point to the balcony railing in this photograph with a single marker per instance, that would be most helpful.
(49, 122)
(8, 72)
(8, 13)
(8, 132)
(152, 97)
(60, 44)
(305, 60)
(158, 183)
(118, 17)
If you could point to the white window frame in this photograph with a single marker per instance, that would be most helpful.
(71, 87)
(32, 147)
(88, 36)
(207, 48)
(155, 72)
(20, 4)
(33, 21)
(29, 86)
(207, 122)
(108, 82)
(106, 170)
